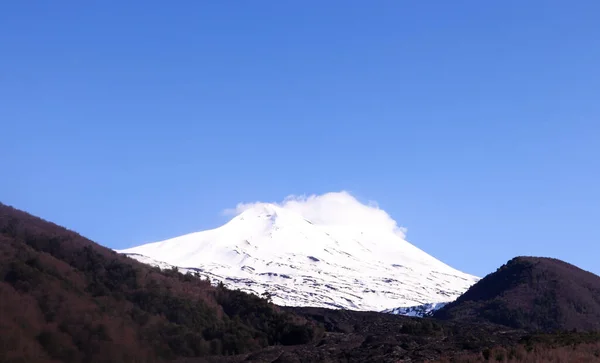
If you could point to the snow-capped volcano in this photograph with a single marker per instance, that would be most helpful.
(300, 262)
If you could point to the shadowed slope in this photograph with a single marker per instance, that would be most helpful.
(532, 293)
(65, 298)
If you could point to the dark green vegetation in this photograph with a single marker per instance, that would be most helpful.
(64, 298)
(536, 294)
(355, 337)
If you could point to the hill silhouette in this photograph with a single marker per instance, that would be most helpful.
(65, 298)
(532, 293)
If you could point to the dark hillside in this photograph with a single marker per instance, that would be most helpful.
(65, 298)
(532, 293)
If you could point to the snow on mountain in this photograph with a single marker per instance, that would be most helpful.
(417, 311)
(333, 261)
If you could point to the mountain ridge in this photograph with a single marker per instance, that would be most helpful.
(65, 298)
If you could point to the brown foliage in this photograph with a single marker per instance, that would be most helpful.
(65, 298)
(542, 353)
(538, 294)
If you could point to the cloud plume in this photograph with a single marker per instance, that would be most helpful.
(335, 208)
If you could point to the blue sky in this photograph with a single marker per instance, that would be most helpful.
(475, 125)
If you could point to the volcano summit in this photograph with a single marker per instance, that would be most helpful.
(303, 254)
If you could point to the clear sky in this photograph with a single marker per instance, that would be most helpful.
(474, 124)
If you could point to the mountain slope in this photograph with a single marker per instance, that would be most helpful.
(65, 298)
(419, 311)
(271, 249)
(532, 293)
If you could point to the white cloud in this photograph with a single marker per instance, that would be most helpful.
(336, 208)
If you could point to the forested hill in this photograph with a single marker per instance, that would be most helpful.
(65, 298)
(533, 293)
